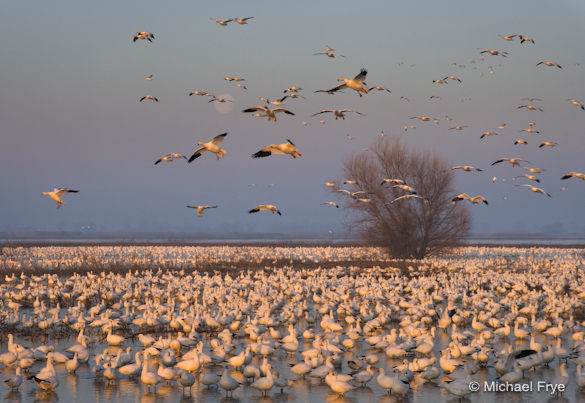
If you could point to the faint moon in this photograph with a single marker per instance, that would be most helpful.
(224, 107)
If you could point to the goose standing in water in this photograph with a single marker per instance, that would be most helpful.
(286, 148)
(212, 146)
(57, 193)
(357, 84)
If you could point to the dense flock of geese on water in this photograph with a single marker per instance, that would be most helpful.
(272, 109)
(510, 315)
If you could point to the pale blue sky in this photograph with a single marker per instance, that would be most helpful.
(71, 79)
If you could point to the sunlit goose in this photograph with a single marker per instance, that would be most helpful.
(535, 189)
(47, 379)
(494, 52)
(286, 148)
(574, 175)
(134, 369)
(149, 378)
(169, 157)
(328, 54)
(333, 204)
(549, 64)
(340, 387)
(228, 78)
(270, 113)
(531, 131)
(406, 197)
(357, 83)
(515, 162)
(220, 100)
(242, 21)
(166, 373)
(530, 108)
(379, 88)
(223, 23)
(406, 188)
(507, 37)
(57, 193)
(155, 99)
(520, 141)
(467, 168)
(268, 207)
(524, 38)
(486, 134)
(338, 113)
(264, 384)
(292, 89)
(114, 339)
(529, 177)
(576, 103)
(201, 93)
(201, 209)
(548, 144)
(148, 38)
(211, 146)
(72, 364)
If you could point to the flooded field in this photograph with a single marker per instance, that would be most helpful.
(290, 323)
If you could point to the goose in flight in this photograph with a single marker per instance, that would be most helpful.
(222, 100)
(57, 193)
(529, 177)
(514, 161)
(379, 88)
(329, 184)
(149, 77)
(331, 204)
(574, 174)
(339, 113)
(201, 209)
(458, 127)
(453, 78)
(147, 34)
(391, 180)
(534, 170)
(292, 89)
(406, 188)
(286, 148)
(520, 141)
(328, 54)
(357, 84)
(155, 99)
(212, 146)
(242, 21)
(576, 103)
(548, 144)
(265, 207)
(485, 134)
(467, 168)
(440, 81)
(234, 79)
(271, 113)
(494, 52)
(531, 108)
(474, 200)
(524, 38)
(201, 93)
(529, 131)
(169, 157)
(223, 23)
(507, 37)
(353, 195)
(408, 196)
(422, 118)
(535, 189)
(143, 37)
(549, 64)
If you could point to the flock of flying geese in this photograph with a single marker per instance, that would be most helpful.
(271, 109)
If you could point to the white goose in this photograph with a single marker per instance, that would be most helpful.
(286, 148)
(268, 207)
(201, 209)
(357, 83)
(270, 113)
(211, 146)
(149, 378)
(338, 113)
(57, 193)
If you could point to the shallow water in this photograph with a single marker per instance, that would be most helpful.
(85, 387)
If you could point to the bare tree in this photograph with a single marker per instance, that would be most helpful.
(410, 223)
